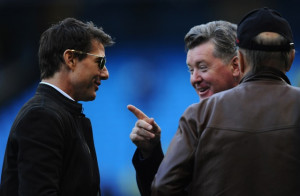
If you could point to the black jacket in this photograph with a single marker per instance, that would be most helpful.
(147, 168)
(50, 149)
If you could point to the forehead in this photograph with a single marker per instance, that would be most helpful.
(202, 52)
(97, 47)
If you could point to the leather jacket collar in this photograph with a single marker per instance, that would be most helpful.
(266, 73)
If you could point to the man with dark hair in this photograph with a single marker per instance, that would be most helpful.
(50, 149)
(244, 141)
(213, 65)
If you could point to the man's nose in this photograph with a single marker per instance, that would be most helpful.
(104, 74)
(196, 76)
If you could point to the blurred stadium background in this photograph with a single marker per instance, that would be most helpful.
(147, 66)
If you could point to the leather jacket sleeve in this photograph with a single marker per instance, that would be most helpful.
(175, 172)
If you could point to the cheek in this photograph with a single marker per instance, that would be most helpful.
(224, 82)
(82, 80)
(221, 75)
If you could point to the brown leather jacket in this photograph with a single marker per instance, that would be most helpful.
(244, 141)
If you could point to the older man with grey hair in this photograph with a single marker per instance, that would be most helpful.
(213, 65)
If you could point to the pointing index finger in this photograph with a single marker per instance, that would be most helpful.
(137, 112)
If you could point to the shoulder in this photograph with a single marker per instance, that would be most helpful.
(294, 88)
(201, 107)
(202, 110)
(40, 111)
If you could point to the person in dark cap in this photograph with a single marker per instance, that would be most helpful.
(243, 141)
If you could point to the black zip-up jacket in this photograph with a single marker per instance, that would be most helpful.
(50, 149)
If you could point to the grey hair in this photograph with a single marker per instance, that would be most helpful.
(257, 59)
(221, 33)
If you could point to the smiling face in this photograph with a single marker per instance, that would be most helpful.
(86, 75)
(209, 74)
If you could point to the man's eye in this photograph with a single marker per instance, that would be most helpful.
(202, 67)
(190, 70)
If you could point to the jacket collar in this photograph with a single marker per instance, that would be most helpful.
(68, 104)
(266, 73)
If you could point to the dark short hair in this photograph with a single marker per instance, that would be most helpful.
(69, 33)
(221, 33)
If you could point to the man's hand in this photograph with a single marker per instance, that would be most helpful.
(146, 133)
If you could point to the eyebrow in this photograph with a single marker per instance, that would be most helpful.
(197, 63)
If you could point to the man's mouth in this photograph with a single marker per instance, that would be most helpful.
(97, 84)
(202, 89)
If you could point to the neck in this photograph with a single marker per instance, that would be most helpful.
(266, 73)
(61, 81)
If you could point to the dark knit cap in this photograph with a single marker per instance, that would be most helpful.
(263, 20)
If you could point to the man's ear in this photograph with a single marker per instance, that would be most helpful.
(69, 59)
(292, 57)
(241, 62)
(234, 64)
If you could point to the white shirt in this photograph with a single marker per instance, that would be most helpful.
(59, 90)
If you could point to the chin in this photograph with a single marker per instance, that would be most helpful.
(206, 95)
(89, 98)
(92, 98)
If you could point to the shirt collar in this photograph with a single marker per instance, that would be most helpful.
(59, 90)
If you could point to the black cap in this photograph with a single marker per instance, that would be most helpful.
(263, 20)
